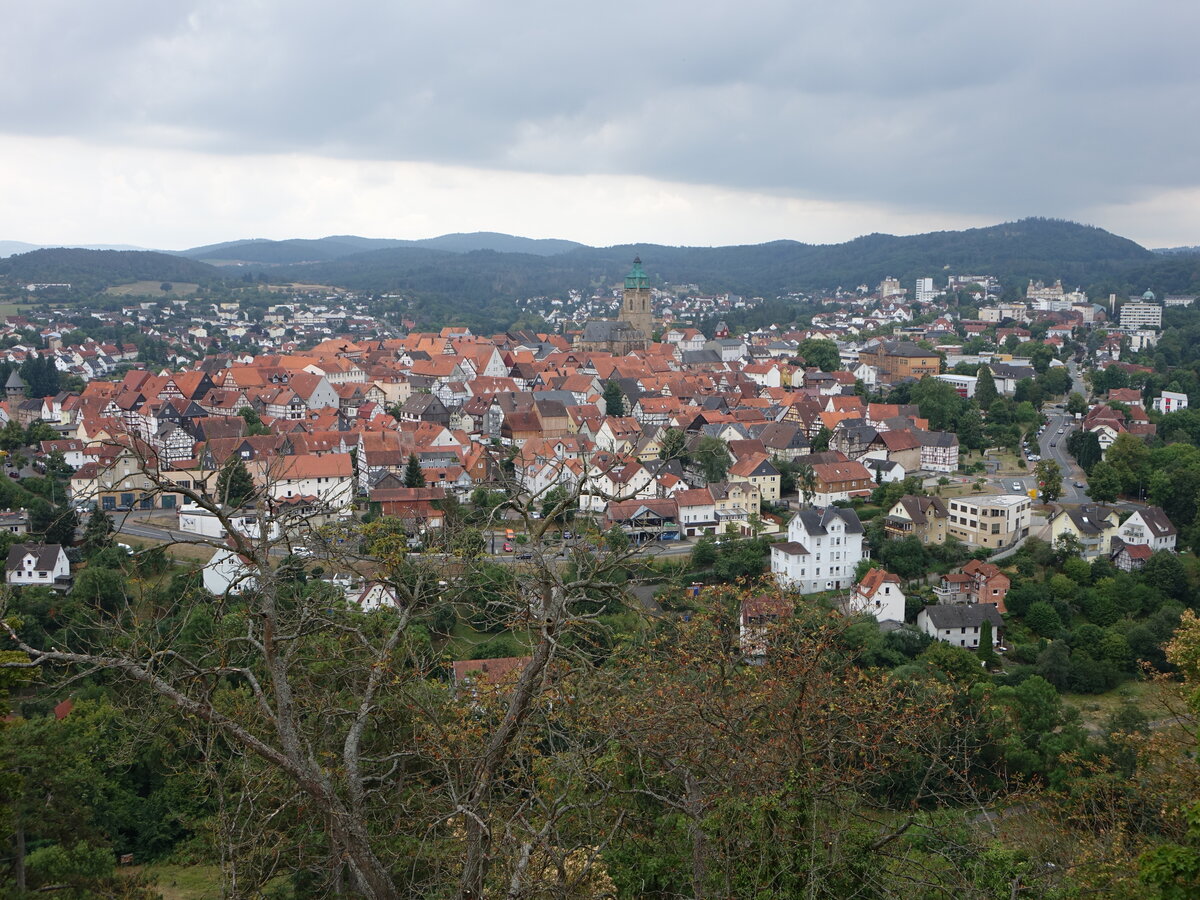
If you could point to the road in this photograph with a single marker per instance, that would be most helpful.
(135, 524)
(1053, 445)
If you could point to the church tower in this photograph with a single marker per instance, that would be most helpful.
(636, 308)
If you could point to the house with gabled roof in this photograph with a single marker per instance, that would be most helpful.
(38, 564)
(960, 625)
(1149, 526)
(823, 549)
(1092, 525)
(924, 517)
(878, 594)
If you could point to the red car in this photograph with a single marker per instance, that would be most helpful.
(507, 547)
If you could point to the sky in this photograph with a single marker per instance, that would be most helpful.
(181, 123)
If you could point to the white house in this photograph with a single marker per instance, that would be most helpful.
(328, 479)
(372, 596)
(1149, 526)
(697, 511)
(227, 572)
(1170, 401)
(41, 564)
(198, 520)
(958, 624)
(823, 548)
(879, 595)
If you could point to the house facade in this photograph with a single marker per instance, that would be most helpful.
(38, 564)
(878, 594)
(823, 548)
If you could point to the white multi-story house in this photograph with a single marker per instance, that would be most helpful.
(327, 480)
(823, 548)
(879, 595)
(697, 511)
(227, 572)
(41, 564)
(1149, 526)
(1170, 401)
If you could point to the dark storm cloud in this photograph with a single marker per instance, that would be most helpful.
(1001, 108)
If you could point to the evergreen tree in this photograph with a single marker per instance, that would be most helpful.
(235, 487)
(97, 535)
(61, 529)
(614, 400)
(821, 441)
(985, 388)
(413, 476)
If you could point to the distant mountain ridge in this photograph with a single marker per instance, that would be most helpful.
(1031, 248)
(478, 276)
(266, 252)
(94, 270)
(12, 248)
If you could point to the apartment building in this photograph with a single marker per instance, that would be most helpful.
(1141, 314)
(901, 359)
(992, 521)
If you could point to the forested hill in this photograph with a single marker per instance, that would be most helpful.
(264, 252)
(478, 275)
(98, 269)
(1032, 248)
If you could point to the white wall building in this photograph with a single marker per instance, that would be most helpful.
(228, 573)
(823, 548)
(1149, 526)
(197, 520)
(1170, 401)
(1141, 314)
(42, 564)
(879, 595)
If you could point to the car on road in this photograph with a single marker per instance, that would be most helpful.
(301, 551)
(1016, 486)
(1061, 430)
(525, 555)
(1080, 484)
(1053, 444)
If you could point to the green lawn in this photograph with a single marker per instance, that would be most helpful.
(153, 289)
(186, 882)
(1095, 709)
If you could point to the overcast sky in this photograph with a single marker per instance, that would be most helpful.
(178, 123)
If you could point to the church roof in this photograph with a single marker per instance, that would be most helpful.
(636, 278)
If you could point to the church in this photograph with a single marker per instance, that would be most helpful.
(634, 329)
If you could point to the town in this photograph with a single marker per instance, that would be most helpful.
(1010, 480)
(652, 429)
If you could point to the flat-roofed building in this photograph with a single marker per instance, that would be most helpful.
(991, 521)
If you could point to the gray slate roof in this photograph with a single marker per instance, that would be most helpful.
(963, 616)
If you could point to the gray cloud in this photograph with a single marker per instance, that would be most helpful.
(1002, 109)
